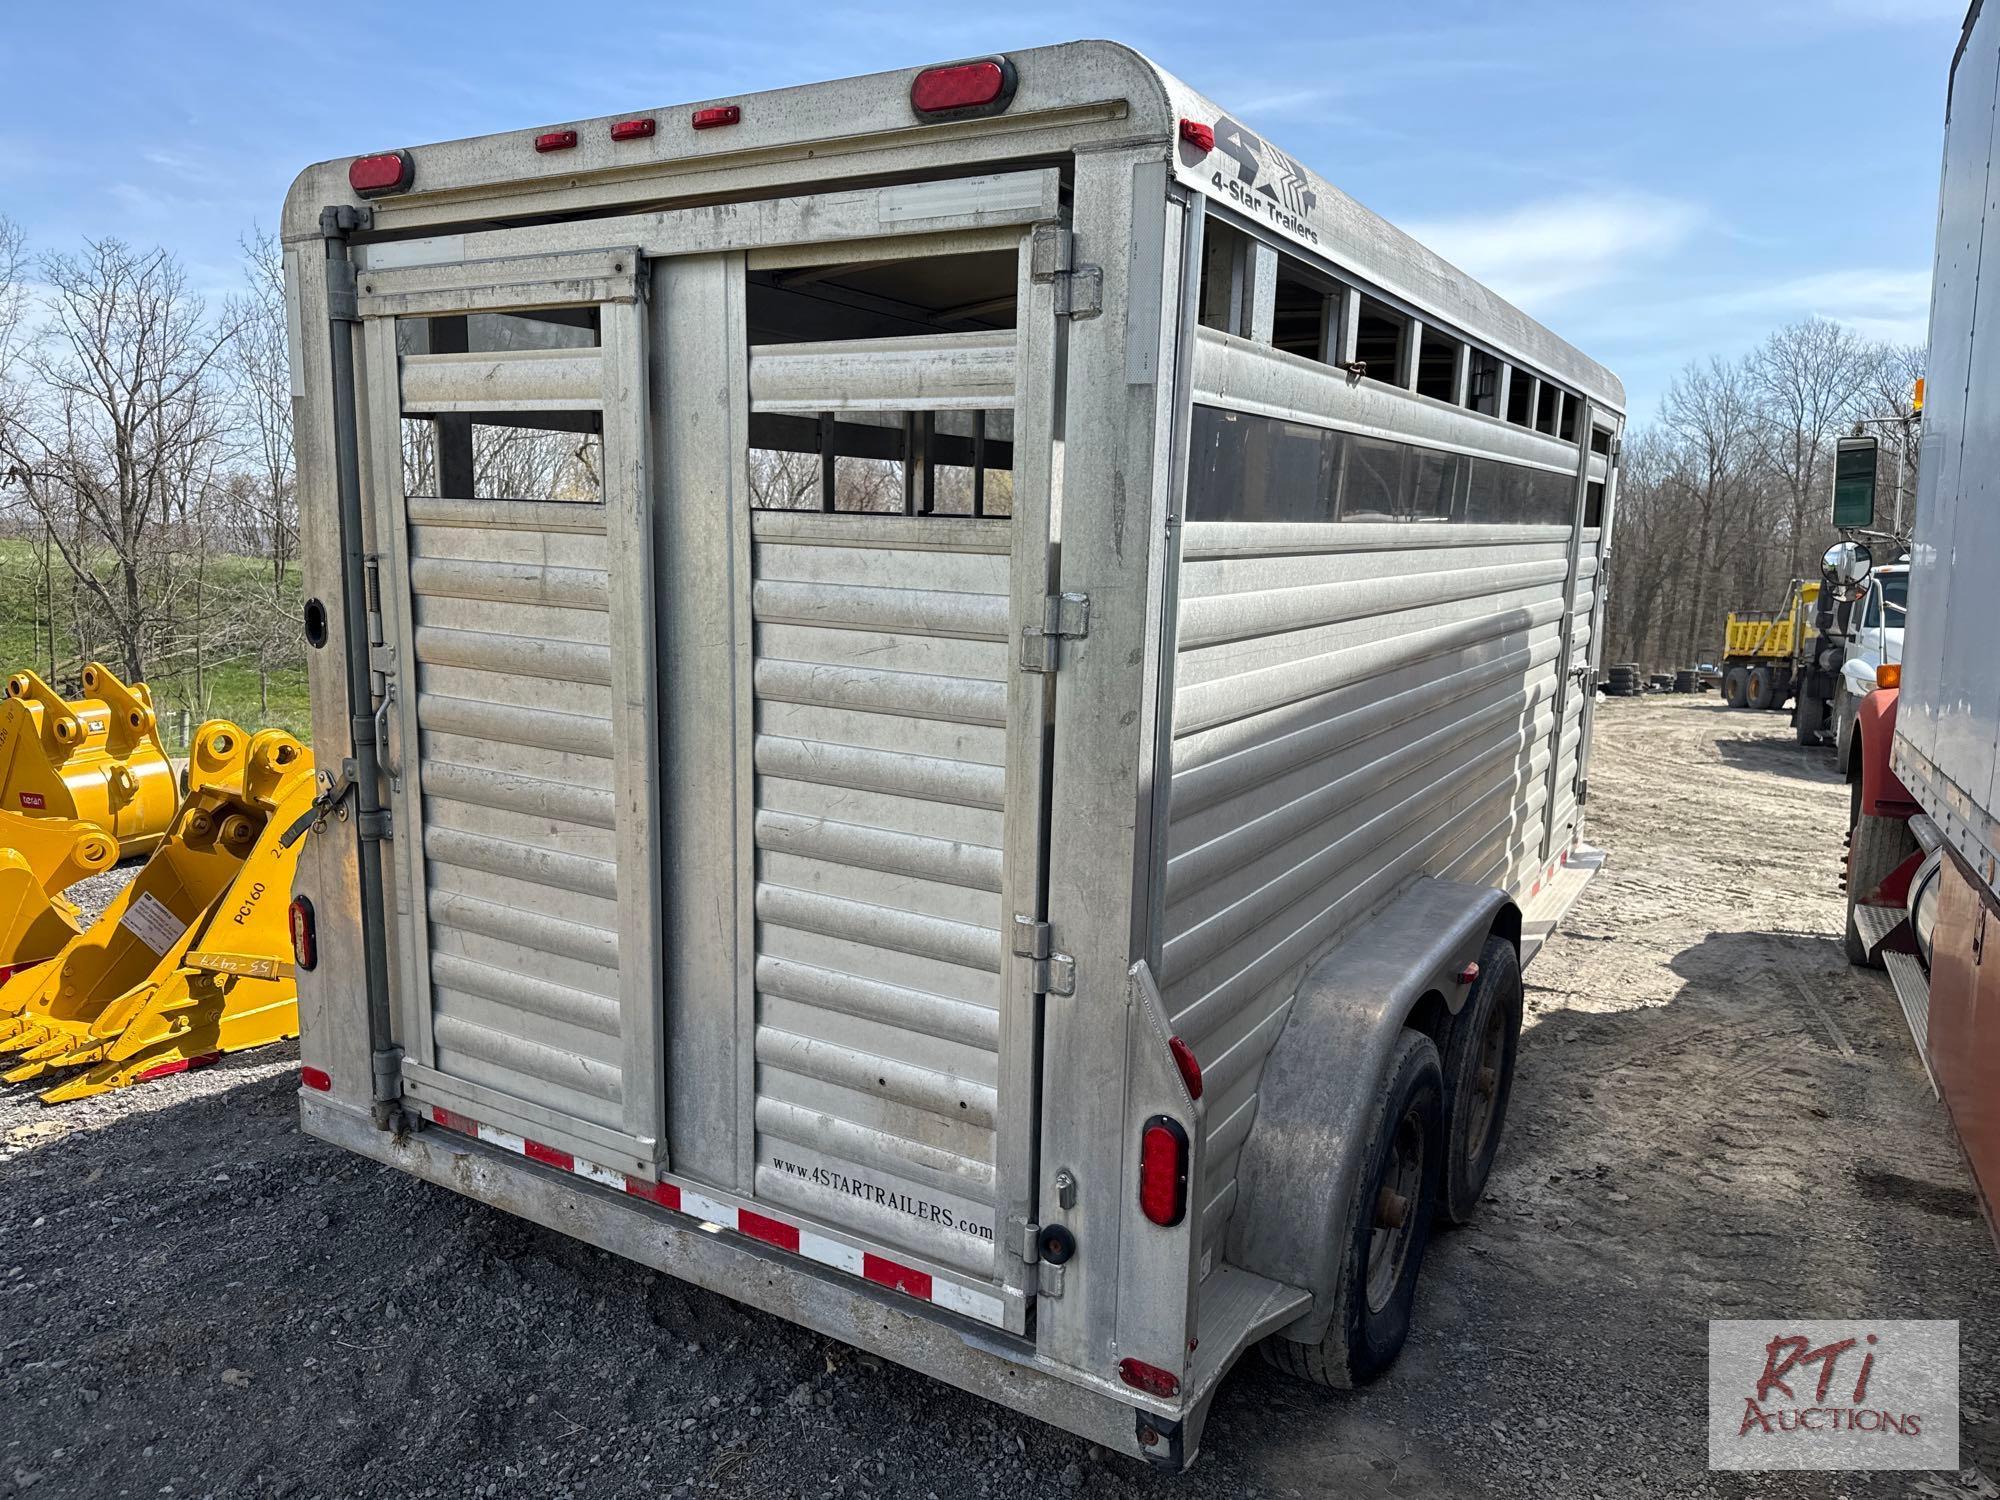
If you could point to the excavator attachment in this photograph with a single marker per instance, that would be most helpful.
(39, 859)
(193, 959)
(96, 759)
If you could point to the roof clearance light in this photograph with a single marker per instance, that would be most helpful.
(1198, 135)
(384, 172)
(964, 90)
(633, 130)
(717, 114)
(555, 140)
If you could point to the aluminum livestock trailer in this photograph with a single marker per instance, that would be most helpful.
(950, 700)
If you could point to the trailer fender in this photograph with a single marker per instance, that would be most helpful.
(1300, 1161)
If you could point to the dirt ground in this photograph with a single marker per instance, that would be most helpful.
(1715, 1117)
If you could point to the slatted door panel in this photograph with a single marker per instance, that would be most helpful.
(881, 705)
(525, 699)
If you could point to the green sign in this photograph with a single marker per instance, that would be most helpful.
(1854, 483)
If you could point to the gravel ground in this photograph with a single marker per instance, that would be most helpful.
(1715, 1117)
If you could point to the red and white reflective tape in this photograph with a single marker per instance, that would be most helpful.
(1561, 861)
(754, 1224)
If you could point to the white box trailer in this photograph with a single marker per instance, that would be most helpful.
(950, 701)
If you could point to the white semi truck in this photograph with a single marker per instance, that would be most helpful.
(989, 791)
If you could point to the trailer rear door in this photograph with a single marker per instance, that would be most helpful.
(720, 825)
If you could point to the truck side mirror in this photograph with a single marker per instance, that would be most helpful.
(1847, 563)
(1854, 463)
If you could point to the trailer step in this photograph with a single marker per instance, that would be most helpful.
(1875, 923)
(1553, 895)
(1913, 993)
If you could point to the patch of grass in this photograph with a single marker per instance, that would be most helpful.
(228, 690)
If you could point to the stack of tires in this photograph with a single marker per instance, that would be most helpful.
(1622, 680)
(1686, 680)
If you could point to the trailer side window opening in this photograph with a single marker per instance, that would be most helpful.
(1437, 365)
(1306, 321)
(1482, 389)
(1520, 391)
(1593, 505)
(1247, 467)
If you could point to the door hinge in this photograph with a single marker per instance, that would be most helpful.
(1052, 973)
(1582, 790)
(1064, 617)
(1024, 1240)
(1079, 290)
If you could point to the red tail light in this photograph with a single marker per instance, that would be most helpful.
(317, 1079)
(1149, 1378)
(1184, 1059)
(1198, 135)
(633, 130)
(717, 114)
(555, 140)
(1163, 1171)
(384, 172)
(983, 86)
(305, 934)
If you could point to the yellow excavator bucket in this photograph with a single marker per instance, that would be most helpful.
(232, 986)
(96, 759)
(148, 924)
(40, 858)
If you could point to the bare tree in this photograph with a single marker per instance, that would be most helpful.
(1806, 379)
(1708, 417)
(126, 391)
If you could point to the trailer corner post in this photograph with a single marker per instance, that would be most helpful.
(363, 775)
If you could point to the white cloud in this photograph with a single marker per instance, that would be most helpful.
(1893, 306)
(1539, 254)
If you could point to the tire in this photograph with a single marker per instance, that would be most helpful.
(1809, 718)
(1733, 679)
(1404, 1154)
(1479, 1078)
(1757, 688)
(1874, 849)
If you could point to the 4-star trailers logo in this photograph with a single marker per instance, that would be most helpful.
(1264, 181)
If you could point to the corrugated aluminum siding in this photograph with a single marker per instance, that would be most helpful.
(881, 687)
(512, 641)
(1353, 704)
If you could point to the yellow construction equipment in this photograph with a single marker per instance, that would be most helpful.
(39, 858)
(96, 759)
(193, 959)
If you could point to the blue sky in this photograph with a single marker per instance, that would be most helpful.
(1656, 181)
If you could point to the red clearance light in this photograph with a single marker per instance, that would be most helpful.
(1163, 1171)
(316, 1078)
(717, 114)
(1469, 973)
(1198, 135)
(633, 130)
(555, 140)
(1184, 1059)
(955, 91)
(384, 172)
(305, 934)
(1149, 1378)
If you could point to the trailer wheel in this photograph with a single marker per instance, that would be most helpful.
(1479, 1058)
(1388, 1228)
(1757, 687)
(1732, 686)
